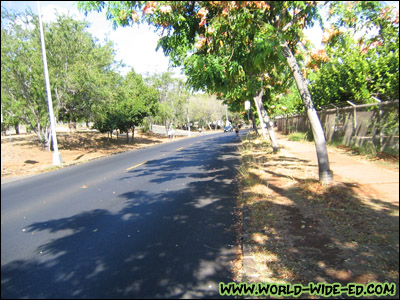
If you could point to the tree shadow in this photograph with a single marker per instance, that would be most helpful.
(317, 234)
(170, 168)
(175, 243)
(32, 162)
(93, 141)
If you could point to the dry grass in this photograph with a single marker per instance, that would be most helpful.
(300, 231)
(23, 154)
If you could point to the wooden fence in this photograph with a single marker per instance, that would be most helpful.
(374, 126)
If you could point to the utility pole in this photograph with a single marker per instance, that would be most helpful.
(56, 155)
(226, 110)
(247, 106)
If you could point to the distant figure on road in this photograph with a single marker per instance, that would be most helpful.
(237, 130)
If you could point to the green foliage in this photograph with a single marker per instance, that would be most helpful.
(299, 136)
(287, 102)
(364, 56)
(23, 94)
(206, 109)
(146, 126)
(172, 99)
(131, 103)
(229, 49)
(80, 71)
(86, 68)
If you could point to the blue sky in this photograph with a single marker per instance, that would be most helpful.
(136, 45)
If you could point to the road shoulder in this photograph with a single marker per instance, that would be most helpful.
(297, 231)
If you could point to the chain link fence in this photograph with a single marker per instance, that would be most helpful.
(372, 127)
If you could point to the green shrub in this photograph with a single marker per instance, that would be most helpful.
(298, 136)
(145, 126)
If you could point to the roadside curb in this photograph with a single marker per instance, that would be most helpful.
(249, 264)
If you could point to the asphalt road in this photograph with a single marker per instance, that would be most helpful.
(152, 223)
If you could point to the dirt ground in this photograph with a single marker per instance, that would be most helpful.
(296, 230)
(22, 155)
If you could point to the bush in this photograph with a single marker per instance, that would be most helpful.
(145, 126)
(298, 136)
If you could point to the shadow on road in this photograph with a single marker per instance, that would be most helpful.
(174, 241)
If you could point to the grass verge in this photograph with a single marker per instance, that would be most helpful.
(298, 136)
(298, 231)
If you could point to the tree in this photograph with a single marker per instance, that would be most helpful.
(234, 41)
(80, 68)
(139, 101)
(128, 103)
(105, 114)
(124, 14)
(206, 110)
(362, 55)
(79, 71)
(173, 97)
(23, 95)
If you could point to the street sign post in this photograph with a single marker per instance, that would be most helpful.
(247, 107)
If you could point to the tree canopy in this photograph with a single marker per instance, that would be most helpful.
(362, 48)
(224, 47)
(80, 71)
(227, 47)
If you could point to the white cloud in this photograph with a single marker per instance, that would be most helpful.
(137, 48)
(49, 12)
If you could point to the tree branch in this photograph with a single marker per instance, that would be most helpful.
(301, 14)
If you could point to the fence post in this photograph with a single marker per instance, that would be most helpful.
(380, 116)
(354, 114)
(286, 127)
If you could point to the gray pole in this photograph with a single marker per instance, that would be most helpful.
(56, 155)
(187, 113)
(226, 110)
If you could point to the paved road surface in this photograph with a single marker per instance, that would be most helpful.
(161, 130)
(152, 223)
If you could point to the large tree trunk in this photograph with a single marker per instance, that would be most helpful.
(325, 174)
(17, 128)
(43, 137)
(260, 118)
(264, 119)
(166, 124)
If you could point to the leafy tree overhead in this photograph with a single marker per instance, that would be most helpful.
(221, 44)
(363, 55)
(360, 58)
